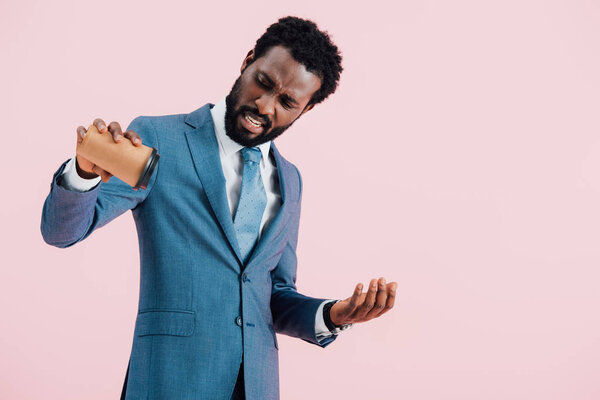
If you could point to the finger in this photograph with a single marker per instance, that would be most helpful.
(97, 170)
(380, 299)
(391, 297)
(81, 131)
(134, 137)
(115, 129)
(106, 176)
(355, 299)
(99, 123)
(369, 301)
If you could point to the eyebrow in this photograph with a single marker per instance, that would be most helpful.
(287, 97)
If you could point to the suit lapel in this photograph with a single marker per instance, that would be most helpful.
(205, 153)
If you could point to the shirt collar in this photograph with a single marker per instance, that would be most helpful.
(228, 145)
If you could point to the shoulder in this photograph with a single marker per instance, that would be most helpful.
(299, 177)
(155, 130)
(158, 123)
(174, 125)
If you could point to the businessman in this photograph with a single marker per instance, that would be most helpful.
(218, 228)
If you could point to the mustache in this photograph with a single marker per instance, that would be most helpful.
(244, 108)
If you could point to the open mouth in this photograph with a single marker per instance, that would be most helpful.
(252, 123)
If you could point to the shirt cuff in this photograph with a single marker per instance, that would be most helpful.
(321, 330)
(71, 180)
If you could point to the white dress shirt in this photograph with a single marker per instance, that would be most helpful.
(233, 166)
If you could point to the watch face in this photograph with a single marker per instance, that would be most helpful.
(342, 328)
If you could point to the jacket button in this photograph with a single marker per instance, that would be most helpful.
(244, 277)
(238, 321)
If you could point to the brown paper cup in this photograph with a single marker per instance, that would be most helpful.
(133, 165)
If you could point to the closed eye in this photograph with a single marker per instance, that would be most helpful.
(266, 83)
(287, 101)
(262, 82)
(285, 104)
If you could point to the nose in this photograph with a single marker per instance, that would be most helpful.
(266, 104)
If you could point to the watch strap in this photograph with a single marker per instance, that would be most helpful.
(333, 328)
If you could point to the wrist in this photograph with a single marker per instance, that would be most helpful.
(327, 316)
(84, 174)
(333, 328)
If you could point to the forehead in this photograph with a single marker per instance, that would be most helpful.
(288, 74)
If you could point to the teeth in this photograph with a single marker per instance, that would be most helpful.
(253, 121)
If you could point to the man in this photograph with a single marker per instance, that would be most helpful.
(217, 228)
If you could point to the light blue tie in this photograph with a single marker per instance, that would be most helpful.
(253, 200)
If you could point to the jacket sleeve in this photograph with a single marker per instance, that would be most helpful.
(294, 313)
(69, 216)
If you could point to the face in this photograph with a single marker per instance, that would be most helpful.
(270, 94)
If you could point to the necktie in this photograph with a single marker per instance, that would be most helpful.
(253, 200)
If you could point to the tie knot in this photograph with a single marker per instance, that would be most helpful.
(251, 154)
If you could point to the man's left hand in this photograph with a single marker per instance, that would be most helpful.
(362, 307)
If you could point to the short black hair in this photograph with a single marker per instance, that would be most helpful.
(309, 46)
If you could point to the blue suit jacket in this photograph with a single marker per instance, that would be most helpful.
(200, 307)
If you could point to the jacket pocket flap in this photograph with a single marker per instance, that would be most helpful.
(165, 322)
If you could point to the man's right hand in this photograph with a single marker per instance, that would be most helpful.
(87, 169)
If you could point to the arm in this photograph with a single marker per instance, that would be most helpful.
(294, 314)
(292, 311)
(70, 216)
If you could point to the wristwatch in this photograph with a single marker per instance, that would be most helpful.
(333, 328)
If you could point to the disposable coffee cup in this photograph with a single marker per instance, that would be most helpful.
(133, 165)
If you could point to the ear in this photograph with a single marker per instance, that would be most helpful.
(307, 108)
(247, 61)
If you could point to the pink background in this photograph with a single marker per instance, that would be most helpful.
(459, 157)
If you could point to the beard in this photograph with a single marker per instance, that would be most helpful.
(232, 114)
